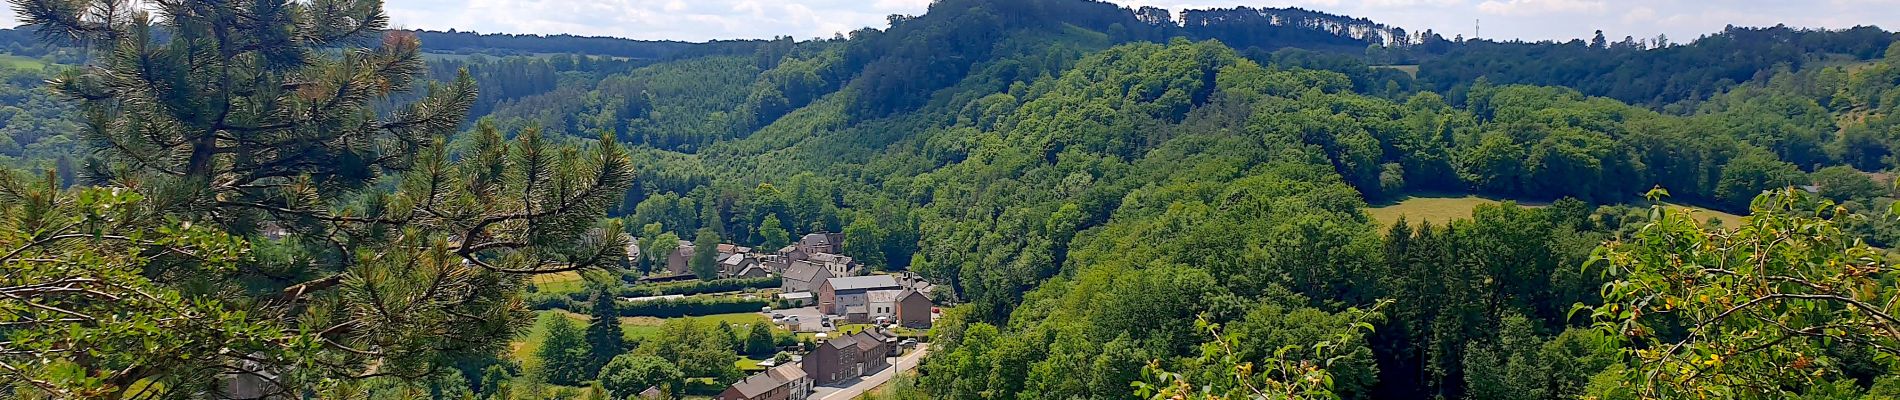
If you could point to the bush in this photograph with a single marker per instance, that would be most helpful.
(543, 301)
(578, 301)
(629, 374)
(699, 287)
(691, 307)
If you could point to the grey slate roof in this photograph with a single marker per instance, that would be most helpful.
(788, 372)
(886, 295)
(843, 342)
(815, 239)
(865, 283)
(870, 334)
(803, 272)
(830, 258)
(757, 385)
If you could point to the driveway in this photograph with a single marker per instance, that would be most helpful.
(809, 319)
(860, 386)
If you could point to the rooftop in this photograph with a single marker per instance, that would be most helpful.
(886, 296)
(803, 271)
(788, 372)
(757, 385)
(871, 282)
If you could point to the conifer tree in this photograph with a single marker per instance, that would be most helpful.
(705, 262)
(262, 221)
(563, 352)
(603, 333)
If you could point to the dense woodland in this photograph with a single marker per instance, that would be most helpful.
(1118, 203)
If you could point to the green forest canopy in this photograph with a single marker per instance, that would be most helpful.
(1096, 188)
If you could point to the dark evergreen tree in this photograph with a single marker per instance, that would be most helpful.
(604, 338)
(705, 261)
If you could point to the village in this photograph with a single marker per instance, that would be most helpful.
(855, 328)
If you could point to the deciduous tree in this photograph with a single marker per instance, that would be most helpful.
(1747, 313)
(630, 374)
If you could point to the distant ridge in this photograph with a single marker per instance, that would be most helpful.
(461, 42)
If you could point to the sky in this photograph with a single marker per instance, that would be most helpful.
(700, 20)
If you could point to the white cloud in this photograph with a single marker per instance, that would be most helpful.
(1413, 3)
(1540, 7)
(698, 20)
(1639, 14)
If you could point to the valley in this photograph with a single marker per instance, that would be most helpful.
(991, 199)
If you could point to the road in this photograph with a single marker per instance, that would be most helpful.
(864, 385)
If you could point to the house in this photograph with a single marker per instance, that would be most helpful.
(820, 243)
(846, 358)
(879, 304)
(874, 346)
(914, 309)
(836, 295)
(678, 263)
(840, 265)
(760, 386)
(792, 252)
(729, 249)
(774, 263)
(796, 381)
(652, 393)
(733, 265)
(803, 277)
(835, 360)
(752, 272)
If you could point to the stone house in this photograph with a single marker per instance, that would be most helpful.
(803, 277)
(734, 265)
(679, 262)
(835, 360)
(839, 265)
(845, 358)
(836, 296)
(798, 383)
(757, 387)
(914, 309)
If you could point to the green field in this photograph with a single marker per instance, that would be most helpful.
(434, 56)
(1407, 69)
(748, 365)
(1441, 210)
(18, 62)
(1437, 210)
(525, 347)
(1703, 214)
(564, 282)
(646, 327)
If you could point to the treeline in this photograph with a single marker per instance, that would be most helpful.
(38, 130)
(1653, 72)
(24, 42)
(505, 44)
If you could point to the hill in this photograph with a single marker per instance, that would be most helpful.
(1102, 191)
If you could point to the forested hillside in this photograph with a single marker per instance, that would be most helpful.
(1113, 204)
